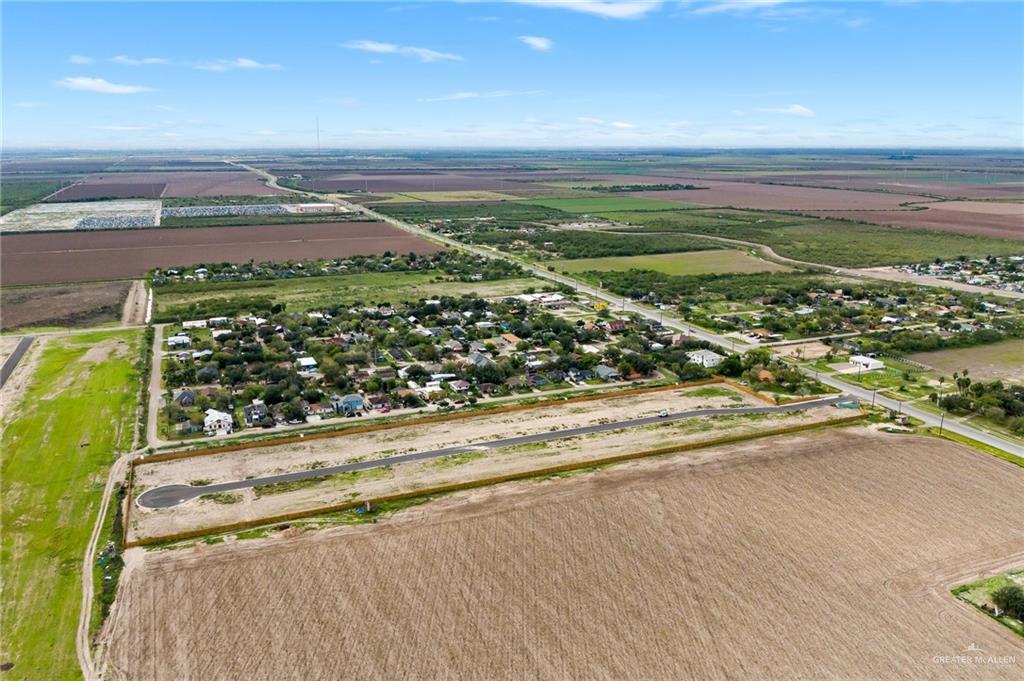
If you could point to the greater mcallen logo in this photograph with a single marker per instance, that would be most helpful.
(974, 654)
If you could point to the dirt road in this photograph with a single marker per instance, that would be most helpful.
(135, 304)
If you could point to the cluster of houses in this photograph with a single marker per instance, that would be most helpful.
(282, 368)
(1001, 274)
(838, 312)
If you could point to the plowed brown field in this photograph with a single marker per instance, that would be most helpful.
(83, 256)
(821, 556)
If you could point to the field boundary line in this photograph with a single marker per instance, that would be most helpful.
(484, 482)
(439, 418)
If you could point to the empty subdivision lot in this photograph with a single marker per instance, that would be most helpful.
(826, 555)
(1000, 361)
(261, 462)
(70, 256)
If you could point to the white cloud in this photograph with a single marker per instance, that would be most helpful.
(100, 85)
(266, 132)
(737, 6)
(121, 128)
(791, 110)
(28, 105)
(536, 42)
(590, 120)
(144, 61)
(455, 96)
(238, 63)
(611, 9)
(422, 53)
(80, 59)
(859, 22)
(621, 125)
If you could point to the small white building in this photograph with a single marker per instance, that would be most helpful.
(194, 324)
(217, 423)
(705, 358)
(866, 363)
(307, 364)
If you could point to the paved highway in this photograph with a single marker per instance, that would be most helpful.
(172, 495)
(12, 361)
(951, 423)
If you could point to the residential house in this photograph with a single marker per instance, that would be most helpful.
(254, 413)
(217, 423)
(607, 373)
(705, 358)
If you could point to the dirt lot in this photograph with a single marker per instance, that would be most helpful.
(820, 556)
(812, 350)
(1000, 220)
(62, 305)
(176, 184)
(71, 256)
(261, 503)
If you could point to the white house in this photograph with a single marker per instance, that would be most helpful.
(179, 342)
(307, 364)
(194, 324)
(217, 423)
(866, 363)
(705, 358)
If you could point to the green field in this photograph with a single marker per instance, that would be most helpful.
(20, 194)
(308, 293)
(605, 204)
(985, 362)
(74, 419)
(699, 262)
(831, 242)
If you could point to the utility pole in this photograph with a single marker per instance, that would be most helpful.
(942, 421)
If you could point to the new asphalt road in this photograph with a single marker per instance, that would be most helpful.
(172, 495)
(12, 362)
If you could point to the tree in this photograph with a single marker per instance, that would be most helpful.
(1010, 599)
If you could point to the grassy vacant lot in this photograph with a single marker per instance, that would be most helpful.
(73, 420)
(845, 244)
(699, 262)
(985, 362)
(313, 292)
(607, 203)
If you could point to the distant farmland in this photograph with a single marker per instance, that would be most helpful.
(165, 184)
(88, 256)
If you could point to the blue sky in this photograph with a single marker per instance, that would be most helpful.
(529, 73)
